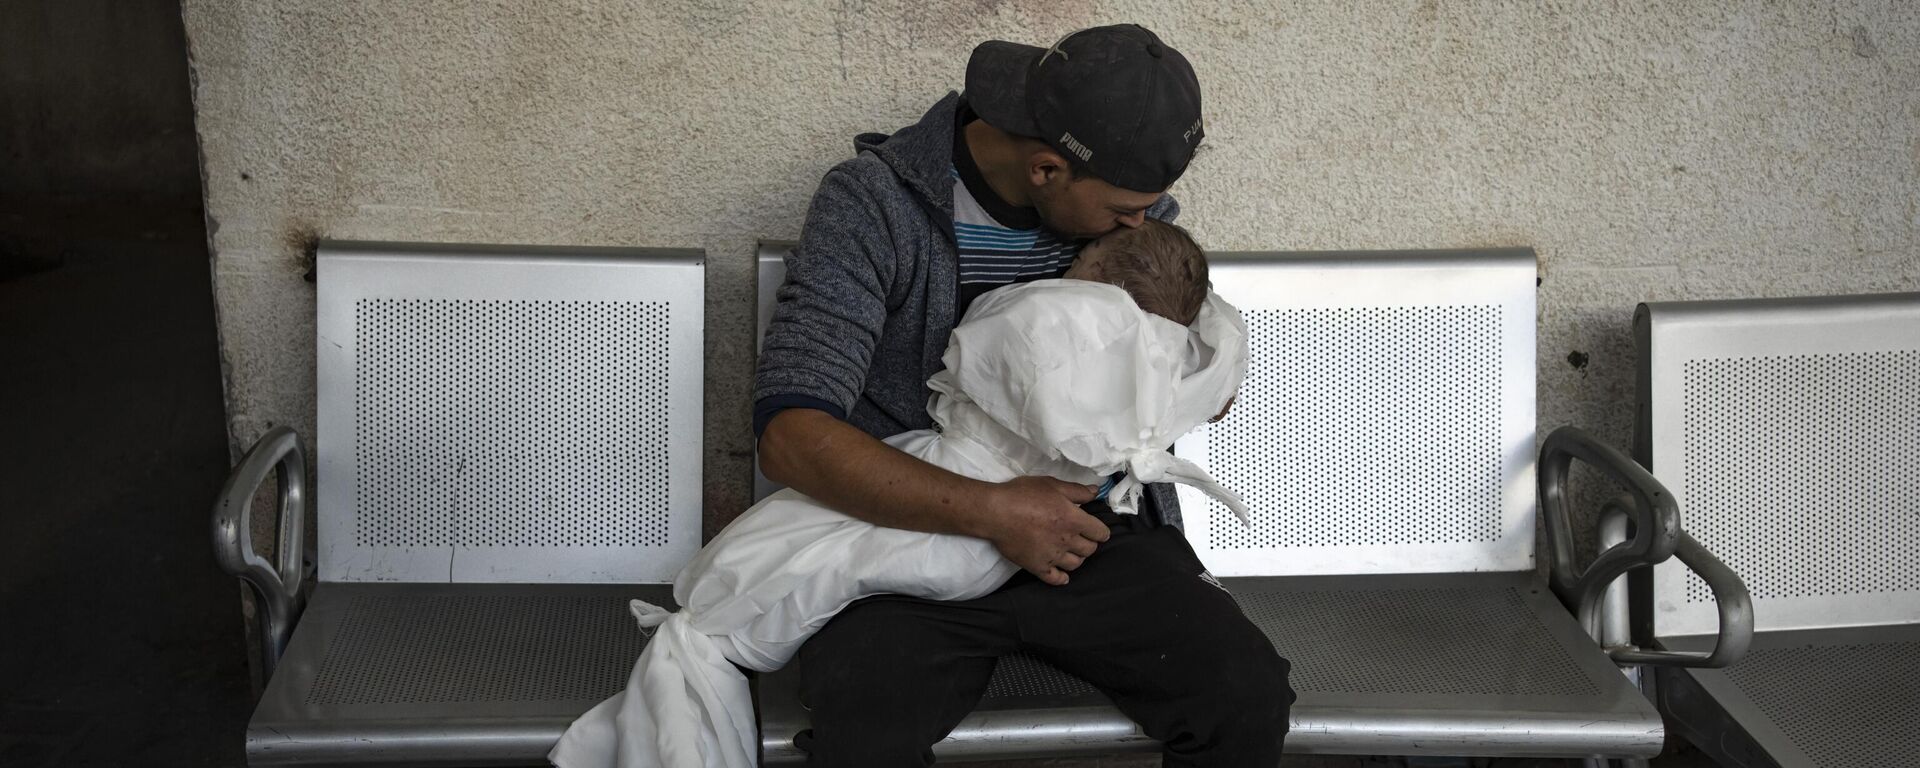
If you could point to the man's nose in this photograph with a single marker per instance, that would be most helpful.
(1133, 220)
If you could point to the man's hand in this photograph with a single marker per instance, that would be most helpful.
(1039, 525)
(1036, 522)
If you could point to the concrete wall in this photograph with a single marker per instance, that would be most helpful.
(1649, 151)
(93, 103)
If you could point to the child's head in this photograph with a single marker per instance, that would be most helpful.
(1157, 264)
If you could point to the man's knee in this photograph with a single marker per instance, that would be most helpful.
(1257, 697)
(854, 636)
(862, 655)
(1234, 710)
(1240, 716)
(882, 682)
(1245, 689)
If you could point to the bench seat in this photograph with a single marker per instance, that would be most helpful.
(1820, 697)
(1385, 437)
(1483, 664)
(509, 450)
(445, 674)
(1786, 429)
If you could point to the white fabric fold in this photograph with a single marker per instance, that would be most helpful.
(1055, 377)
(1161, 467)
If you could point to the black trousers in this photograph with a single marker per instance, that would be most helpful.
(891, 675)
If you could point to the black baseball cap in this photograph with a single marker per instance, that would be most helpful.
(1116, 101)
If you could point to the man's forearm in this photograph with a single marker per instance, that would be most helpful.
(852, 472)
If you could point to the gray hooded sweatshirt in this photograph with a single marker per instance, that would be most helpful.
(862, 320)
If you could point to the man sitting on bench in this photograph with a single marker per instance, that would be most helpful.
(1068, 379)
(1047, 148)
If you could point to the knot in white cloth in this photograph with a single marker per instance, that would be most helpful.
(1160, 467)
(648, 615)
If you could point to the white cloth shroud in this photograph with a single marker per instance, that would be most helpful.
(1067, 378)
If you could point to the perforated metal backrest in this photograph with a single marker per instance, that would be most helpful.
(1387, 421)
(772, 272)
(508, 414)
(1789, 430)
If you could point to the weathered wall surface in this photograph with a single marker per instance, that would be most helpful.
(1649, 151)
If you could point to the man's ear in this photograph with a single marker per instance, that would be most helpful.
(1044, 165)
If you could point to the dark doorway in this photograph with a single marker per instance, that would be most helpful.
(124, 640)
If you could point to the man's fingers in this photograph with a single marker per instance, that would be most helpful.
(1053, 537)
(1077, 493)
(1092, 529)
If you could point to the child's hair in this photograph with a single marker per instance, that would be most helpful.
(1161, 267)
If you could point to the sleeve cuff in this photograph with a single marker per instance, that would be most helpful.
(765, 408)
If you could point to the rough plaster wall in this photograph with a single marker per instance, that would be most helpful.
(1649, 151)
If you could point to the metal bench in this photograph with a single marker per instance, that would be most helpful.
(1385, 439)
(509, 450)
(1789, 429)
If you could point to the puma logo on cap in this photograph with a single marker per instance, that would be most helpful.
(1074, 146)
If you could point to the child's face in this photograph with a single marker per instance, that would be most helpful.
(1091, 263)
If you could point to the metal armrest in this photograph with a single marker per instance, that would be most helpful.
(1736, 615)
(277, 587)
(1655, 517)
(1655, 521)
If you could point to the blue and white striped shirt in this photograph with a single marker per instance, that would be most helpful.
(993, 254)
